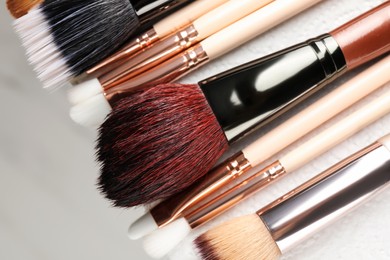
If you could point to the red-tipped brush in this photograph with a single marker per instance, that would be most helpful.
(159, 140)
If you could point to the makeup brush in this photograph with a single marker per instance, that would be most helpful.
(18, 8)
(92, 111)
(198, 30)
(300, 213)
(163, 240)
(146, 145)
(64, 38)
(177, 216)
(144, 41)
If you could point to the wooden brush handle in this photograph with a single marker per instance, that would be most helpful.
(365, 37)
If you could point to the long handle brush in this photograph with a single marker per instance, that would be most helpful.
(302, 212)
(161, 139)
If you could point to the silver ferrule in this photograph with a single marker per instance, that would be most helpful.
(328, 196)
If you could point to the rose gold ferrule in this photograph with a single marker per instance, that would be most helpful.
(151, 57)
(168, 71)
(141, 43)
(198, 194)
(238, 193)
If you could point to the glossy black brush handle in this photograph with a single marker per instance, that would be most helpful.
(247, 96)
(149, 13)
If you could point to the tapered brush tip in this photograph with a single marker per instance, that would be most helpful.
(163, 240)
(83, 91)
(243, 238)
(18, 8)
(142, 226)
(156, 142)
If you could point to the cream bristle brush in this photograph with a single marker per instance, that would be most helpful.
(302, 212)
(167, 26)
(18, 8)
(201, 28)
(92, 111)
(181, 205)
(162, 240)
(64, 38)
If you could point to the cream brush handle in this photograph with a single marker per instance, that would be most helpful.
(253, 25)
(319, 112)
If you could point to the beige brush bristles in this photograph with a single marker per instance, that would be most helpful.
(243, 238)
(18, 8)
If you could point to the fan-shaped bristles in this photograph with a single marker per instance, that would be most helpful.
(64, 38)
(156, 143)
(18, 8)
(243, 238)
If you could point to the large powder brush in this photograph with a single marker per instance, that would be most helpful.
(171, 119)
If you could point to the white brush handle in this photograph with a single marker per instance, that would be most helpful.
(185, 16)
(338, 132)
(225, 15)
(253, 25)
(318, 113)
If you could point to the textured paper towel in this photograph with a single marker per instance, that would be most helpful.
(363, 234)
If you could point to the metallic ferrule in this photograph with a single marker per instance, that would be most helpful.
(326, 197)
(151, 57)
(199, 193)
(143, 42)
(236, 194)
(168, 71)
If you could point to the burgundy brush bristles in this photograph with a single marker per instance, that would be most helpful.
(156, 142)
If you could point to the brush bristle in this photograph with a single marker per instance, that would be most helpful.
(18, 8)
(243, 238)
(157, 142)
(84, 90)
(71, 36)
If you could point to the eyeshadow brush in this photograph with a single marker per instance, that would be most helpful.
(190, 200)
(162, 139)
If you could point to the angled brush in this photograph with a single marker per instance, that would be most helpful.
(145, 40)
(64, 38)
(164, 239)
(201, 28)
(302, 212)
(201, 193)
(18, 8)
(92, 111)
(163, 138)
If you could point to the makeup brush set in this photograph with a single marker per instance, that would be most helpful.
(166, 142)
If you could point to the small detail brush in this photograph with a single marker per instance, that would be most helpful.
(302, 212)
(18, 8)
(166, 26)
(157, 129)
(92, 111)
(64, 38)
(161, 241)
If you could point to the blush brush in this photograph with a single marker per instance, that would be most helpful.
(64, 38)
(161, 139)
(93, 110)
(302, 212)
(197, 204)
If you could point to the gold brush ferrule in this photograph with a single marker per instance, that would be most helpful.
(303, 211)
(151, 57)
(198, 194)
(238, 193)
(142, 42)
(168, 71)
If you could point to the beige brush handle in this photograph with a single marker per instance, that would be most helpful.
(225, 15)
(342, 130)
(318, 113)
(185, 16)
(253, 25)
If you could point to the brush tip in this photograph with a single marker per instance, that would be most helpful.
(83, 91)
(242, 238)
(18, 8)
(92, 112)
(161, 241)
(142, 226)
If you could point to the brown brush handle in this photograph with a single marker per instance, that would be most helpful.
(365, 37)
